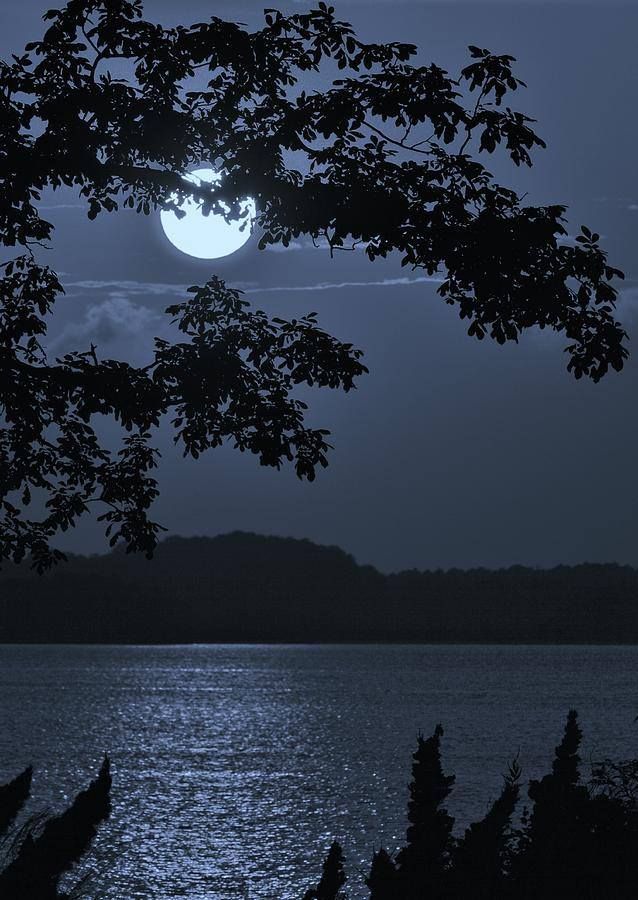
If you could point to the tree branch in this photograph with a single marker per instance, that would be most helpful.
(413, 148)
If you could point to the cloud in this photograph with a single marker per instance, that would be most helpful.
(318, 244)
(133, 288)
(629, 203)
(627, 306)
(62, 206)
(161, 289)
(293, 245)
(121, 319)
(108, 322)
(341, 285)
(302, 244)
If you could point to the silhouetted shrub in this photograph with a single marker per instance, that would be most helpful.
(423, 862)
(13, 796)
(333, 877)
(578, 840)
(616, 780)
(382, 879)
(45, 849)
(483, 855)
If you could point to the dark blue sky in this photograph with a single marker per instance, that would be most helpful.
(451, 453)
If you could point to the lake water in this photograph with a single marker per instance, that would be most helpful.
(235, 766)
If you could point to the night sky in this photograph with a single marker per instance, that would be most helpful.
(452, 452)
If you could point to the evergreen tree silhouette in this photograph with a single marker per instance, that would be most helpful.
(578, 843)
(13, 796)
(553, 851)
(481, 858)
(49, 852)
(333, 876)
(382, 880)
(424, 861)
(565, 768)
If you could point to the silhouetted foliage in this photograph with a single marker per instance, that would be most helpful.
(423, 862)
(113, 106)
(46, 849)
(578, 840)
(555, 834)
(383, 880)
(13, 796)
(483, 855)
(333, 877)
(296, 591)
(617, 780)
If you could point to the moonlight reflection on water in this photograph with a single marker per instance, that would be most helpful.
(235, 766)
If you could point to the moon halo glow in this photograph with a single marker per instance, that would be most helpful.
(211, 236)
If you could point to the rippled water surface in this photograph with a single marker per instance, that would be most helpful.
(235, 766)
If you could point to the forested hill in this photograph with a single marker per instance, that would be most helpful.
(245, 587)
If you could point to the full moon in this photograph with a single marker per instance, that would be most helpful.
(211, 236)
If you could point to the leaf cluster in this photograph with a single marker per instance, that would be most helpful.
(119, 108)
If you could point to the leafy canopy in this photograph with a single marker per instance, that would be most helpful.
(120, 108)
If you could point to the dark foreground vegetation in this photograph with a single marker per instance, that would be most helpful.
(36, 856)
(245, 587)
(575, 839)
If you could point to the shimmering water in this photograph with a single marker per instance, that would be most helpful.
(235, 766)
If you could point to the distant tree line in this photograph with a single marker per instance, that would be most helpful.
(577, 840)
(246, 587)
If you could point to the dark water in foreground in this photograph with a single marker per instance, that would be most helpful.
(235, 766)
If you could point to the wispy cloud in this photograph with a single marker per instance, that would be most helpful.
(627, 307)
(341, 285)
(305, 243)
(120, 319)
(108, 322)
(133, 288)
(292, 246)
(629, 203)
(62, 206)
(162, 289)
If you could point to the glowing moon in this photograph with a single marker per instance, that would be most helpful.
(211, 236)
